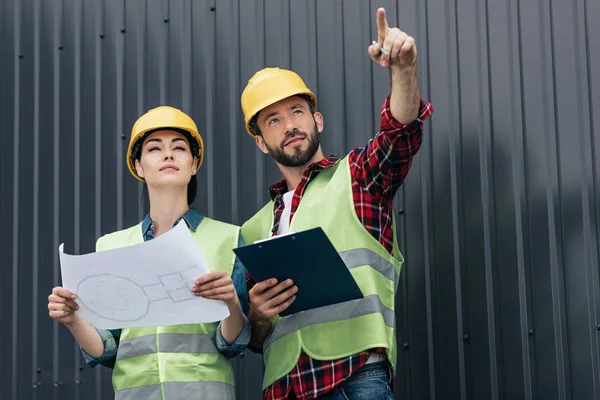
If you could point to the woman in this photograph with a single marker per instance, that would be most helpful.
(171, 362)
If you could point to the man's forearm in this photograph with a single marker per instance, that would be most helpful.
(404, 98)
(260, 331)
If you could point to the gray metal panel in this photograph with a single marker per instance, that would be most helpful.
(500, 293)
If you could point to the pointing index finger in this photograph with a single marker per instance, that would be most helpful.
(382, 25)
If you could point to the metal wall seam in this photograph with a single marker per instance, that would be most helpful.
(210, 75)
(553, 198)
(234, 107)
(519, 184)
(15, 226)
(35, 189)
(77, 42)
(141, 81)
(119, 136)
(487, 184)
(590, 234)
(456, 188)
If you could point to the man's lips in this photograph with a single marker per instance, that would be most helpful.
(294, 140)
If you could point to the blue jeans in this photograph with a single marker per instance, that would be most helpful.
(371, 382)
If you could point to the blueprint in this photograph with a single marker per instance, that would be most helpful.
(147, 284)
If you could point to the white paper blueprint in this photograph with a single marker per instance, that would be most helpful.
(148, 284)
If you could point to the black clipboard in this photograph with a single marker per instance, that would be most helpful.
(310, 260)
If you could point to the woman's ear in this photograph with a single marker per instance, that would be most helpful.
(195, 165)
(139, 169)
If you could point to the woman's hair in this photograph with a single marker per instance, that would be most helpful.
(192, 188)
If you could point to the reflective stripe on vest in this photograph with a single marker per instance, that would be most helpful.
(179, 390)
(169, 343)
(336, 312)
(359, 257)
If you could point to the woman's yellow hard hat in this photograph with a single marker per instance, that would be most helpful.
(163, 117)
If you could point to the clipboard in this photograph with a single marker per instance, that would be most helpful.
(310, 260)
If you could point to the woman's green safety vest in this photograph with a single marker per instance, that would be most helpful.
(339, 330)
(181, 361)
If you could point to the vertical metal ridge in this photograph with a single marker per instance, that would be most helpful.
(211, 32)
(428, 237)
(371, 64)
(587, 182)
(289, 38)
(15, 243)
(77, 19)
(455, 182)
(186, 54)
(594, 194)
(163, 63)
(56, 191)
(120, 133)
(553, 196)
(312, 38)
(261, 170)
(426, 188)
(234, 84)
(344, 118)
(141, 78)
(36, 189)
(488, 195)
(519, 171)
(98, 124)
(98, 138)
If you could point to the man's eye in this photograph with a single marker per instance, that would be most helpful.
(274, 120)
(298, 112)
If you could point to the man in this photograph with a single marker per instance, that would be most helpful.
(345, 350)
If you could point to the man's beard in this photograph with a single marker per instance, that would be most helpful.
(299, 157)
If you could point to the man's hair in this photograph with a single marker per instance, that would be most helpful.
(254, 121)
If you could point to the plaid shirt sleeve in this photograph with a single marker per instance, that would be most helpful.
(381, 166)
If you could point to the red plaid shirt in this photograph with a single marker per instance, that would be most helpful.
(377, 171)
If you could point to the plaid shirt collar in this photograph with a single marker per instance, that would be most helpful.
(280, 187)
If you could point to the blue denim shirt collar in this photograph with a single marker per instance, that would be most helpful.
(192, 218)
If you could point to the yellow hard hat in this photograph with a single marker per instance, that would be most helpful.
(267, 87)
(163, 117)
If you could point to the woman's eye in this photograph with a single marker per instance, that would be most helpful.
(153, 148)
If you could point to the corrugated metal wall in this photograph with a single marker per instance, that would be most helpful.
(500, 294)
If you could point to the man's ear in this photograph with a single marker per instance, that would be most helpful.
(139, 169)
(318, 121)
(260, 142)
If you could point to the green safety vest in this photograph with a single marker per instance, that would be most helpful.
(180, 361)
(339, 330)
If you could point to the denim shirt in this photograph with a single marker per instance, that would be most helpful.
(110, 338)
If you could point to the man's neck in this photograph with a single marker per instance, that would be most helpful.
(293, 175)
(166, 207)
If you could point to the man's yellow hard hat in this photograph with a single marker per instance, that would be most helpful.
(267, 87)
(163, 117)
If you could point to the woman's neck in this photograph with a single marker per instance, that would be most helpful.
(166, 207)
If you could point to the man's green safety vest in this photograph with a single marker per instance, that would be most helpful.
(181, 361)
(339, 330)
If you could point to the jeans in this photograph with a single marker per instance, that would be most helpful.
(371, 382)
